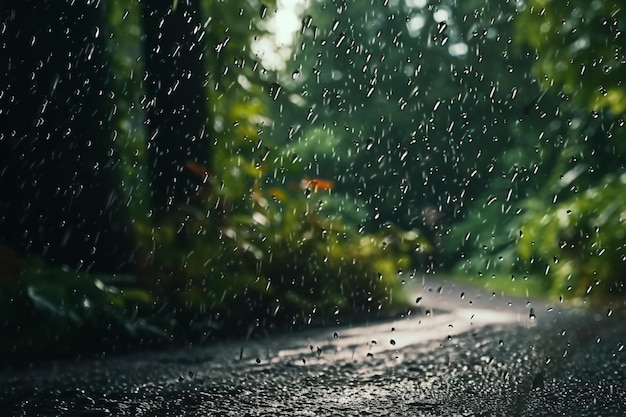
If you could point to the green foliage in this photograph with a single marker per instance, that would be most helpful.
(484, 243)
(123, 22)
(555, 182)
(406, 112)
(238, 94)
(278, 261)
(244, 250)
(580, 240)
(573, 226)
(57, 311)
(580, 49)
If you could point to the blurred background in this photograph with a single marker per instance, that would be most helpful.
(180, 171)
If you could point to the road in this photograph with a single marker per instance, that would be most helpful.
(459, 352)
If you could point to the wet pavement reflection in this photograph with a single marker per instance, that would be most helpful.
(476, 354)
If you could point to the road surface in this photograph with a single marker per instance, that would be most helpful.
(459, 352)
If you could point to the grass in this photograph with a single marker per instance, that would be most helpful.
(531, 286)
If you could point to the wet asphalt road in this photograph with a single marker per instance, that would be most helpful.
(464, 353)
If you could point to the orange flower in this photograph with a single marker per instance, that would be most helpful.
(316, 184)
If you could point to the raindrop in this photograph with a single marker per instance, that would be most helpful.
(393, 342)
(295, 75)
(532, 314)
(263, 11)
(417, 300)
(335, 335)
(275, 90)
(258, 360)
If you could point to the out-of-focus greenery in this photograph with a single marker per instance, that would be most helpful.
(481, 138)
(490, 116)
(51, 311)
(244, 253)
(579, 47)
(279, 260)
(279, 263)
(573, 228)
(580, 241)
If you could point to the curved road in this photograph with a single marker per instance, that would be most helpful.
(460, 352)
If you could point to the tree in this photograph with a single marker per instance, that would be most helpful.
(58, 156)
(414, 109)
(574, 226)
(176, 104)
(579, 50)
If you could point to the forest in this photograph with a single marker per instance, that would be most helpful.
(176, 171)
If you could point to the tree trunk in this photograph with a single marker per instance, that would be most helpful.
(60, 190)
(177, 109)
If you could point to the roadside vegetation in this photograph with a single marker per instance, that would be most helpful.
(176, 172)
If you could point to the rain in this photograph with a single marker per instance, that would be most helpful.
(307, 207)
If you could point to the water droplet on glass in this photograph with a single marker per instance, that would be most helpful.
(532, 314)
